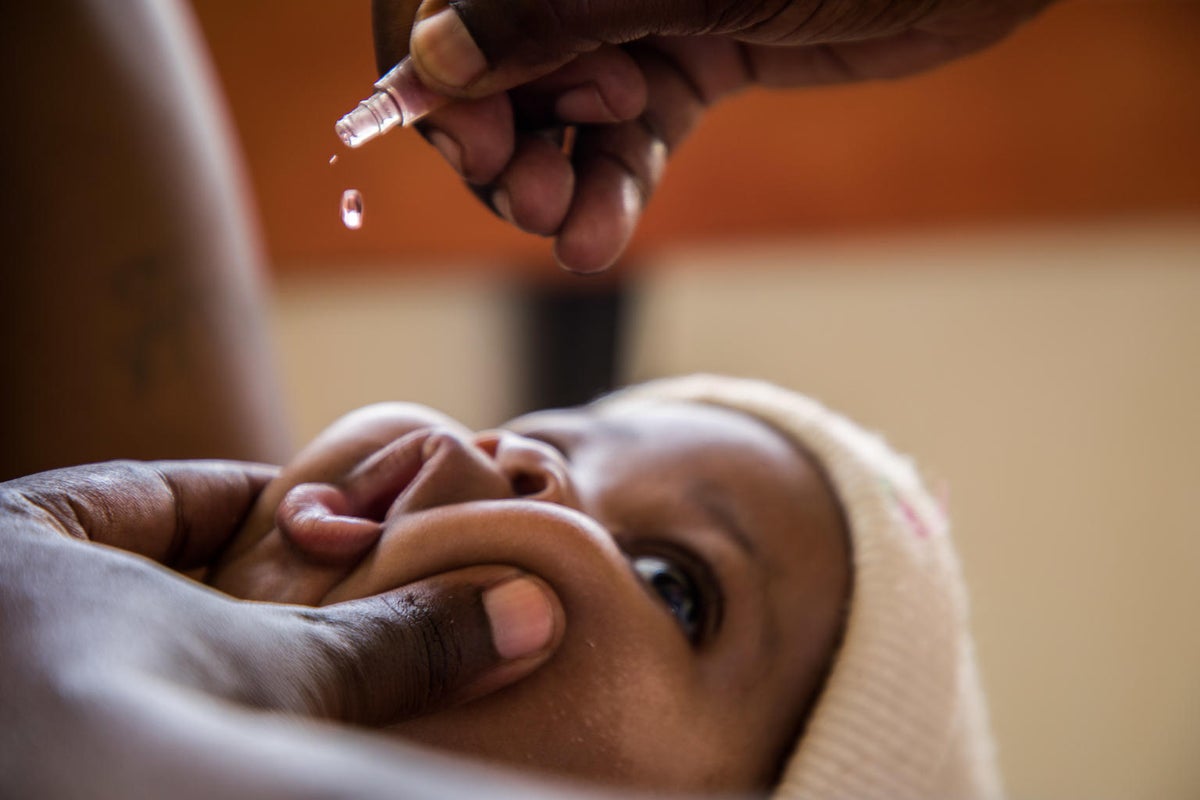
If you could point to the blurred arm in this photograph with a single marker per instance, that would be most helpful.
(134, 325)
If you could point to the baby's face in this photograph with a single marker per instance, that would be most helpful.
(699, 557)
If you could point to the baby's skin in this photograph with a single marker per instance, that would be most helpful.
(700, 558)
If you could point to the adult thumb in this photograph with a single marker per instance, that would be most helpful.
(437, 643)
(474, 48)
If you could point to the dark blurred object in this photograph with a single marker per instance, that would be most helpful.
(572, 341)
(133, 324)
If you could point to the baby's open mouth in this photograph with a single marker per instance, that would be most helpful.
(382, 509)
(338, 525)
(323, 530)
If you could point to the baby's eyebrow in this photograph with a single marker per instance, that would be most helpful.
(721, 513)
(565, 437)
(616, 428)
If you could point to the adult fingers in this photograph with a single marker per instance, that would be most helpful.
(535, 190)
(391, 26)
(593, 201)
(476, 137)
(609, 197)
(473, 48)
(179, 513)
(619, 166)
(602, 86)
(438, 642)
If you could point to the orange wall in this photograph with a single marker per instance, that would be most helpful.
(1092, 110)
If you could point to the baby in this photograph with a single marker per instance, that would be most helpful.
(758, 594)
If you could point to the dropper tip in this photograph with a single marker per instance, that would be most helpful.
(358, 127)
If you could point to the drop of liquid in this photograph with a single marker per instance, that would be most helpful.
(333, 159)
(352, 209)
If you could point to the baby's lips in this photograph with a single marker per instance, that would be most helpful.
(316, 519)
(336, 525)
(374, 485)
(453, 470)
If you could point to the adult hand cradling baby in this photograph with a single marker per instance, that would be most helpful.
(116, 672)
(635, 78)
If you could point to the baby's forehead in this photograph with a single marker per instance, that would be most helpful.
(621, 417)
(596, 420)
(650, 425)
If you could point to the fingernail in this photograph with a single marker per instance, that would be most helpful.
(521, 617)
(583, 104)
(449, 148)
(446, 51)
(503, 204)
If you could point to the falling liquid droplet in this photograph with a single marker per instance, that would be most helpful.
(352, 209)
(333, 159)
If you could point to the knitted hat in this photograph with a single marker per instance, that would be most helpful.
(901, 714)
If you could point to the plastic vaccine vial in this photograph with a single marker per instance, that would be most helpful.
(400, 99)
(352, 209)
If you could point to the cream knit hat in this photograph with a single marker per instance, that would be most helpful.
(902, 714)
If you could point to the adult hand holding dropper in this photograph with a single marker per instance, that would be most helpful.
(634, 78)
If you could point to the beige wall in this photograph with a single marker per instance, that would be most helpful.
(345, 342)
(1051, 379)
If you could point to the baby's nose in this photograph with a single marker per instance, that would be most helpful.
(534, 469)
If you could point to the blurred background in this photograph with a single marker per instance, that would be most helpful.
(997, 264)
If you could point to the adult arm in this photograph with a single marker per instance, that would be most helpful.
(125, 679)
(134, 324)
(637, 77)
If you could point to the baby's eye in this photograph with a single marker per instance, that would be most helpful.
(677, 590)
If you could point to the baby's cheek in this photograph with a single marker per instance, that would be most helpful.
(271, 571)
(604, 709)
